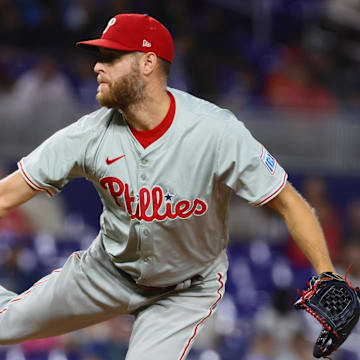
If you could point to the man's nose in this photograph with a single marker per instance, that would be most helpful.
(98, 67)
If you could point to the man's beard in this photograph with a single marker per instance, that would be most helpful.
(123, 93)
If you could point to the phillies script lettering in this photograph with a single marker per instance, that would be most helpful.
(149, 202)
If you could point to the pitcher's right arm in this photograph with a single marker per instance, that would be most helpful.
(14, 191)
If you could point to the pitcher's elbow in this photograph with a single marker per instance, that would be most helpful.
(4, 210)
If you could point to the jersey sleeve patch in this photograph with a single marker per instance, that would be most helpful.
(268, 160)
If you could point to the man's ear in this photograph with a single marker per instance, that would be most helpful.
(148, 63)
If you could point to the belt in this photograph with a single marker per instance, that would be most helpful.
(180, 286)
(153, 289)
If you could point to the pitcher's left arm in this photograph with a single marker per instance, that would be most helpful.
(304, 227)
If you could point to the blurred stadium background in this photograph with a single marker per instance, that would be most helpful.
(288, 68)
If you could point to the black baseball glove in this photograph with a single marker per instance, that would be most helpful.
(334, 302)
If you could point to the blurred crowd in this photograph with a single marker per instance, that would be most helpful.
(298, 55)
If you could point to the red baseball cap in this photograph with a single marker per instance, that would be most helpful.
(135, 32)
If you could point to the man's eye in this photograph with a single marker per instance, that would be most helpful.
(105, 59)
(108, 58)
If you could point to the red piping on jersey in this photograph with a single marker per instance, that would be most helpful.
(147, 137)
(77, 255)
(3, 310)
(274, 193)
(22, 296)
(37, 187)
(211, 310)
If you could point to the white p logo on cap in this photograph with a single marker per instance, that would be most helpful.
(110, 23)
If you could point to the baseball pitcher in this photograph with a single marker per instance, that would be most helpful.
(165, 164)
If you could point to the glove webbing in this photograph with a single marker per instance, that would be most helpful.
(308, 293)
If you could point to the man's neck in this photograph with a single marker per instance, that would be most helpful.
(150, 112)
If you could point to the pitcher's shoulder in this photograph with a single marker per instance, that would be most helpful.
(99, 118)
(90, 126)
(194, 109)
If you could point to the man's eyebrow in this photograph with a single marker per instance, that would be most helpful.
(113, 52)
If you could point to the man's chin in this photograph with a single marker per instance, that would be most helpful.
(104, 100)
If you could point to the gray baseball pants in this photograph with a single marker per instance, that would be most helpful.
(89, 289)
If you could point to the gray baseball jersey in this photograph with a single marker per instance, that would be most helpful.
(165, 207)
(164, 223)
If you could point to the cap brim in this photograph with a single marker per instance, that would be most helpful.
(103, 43)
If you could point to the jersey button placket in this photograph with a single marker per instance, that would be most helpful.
(143, 164)
(146, 235)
